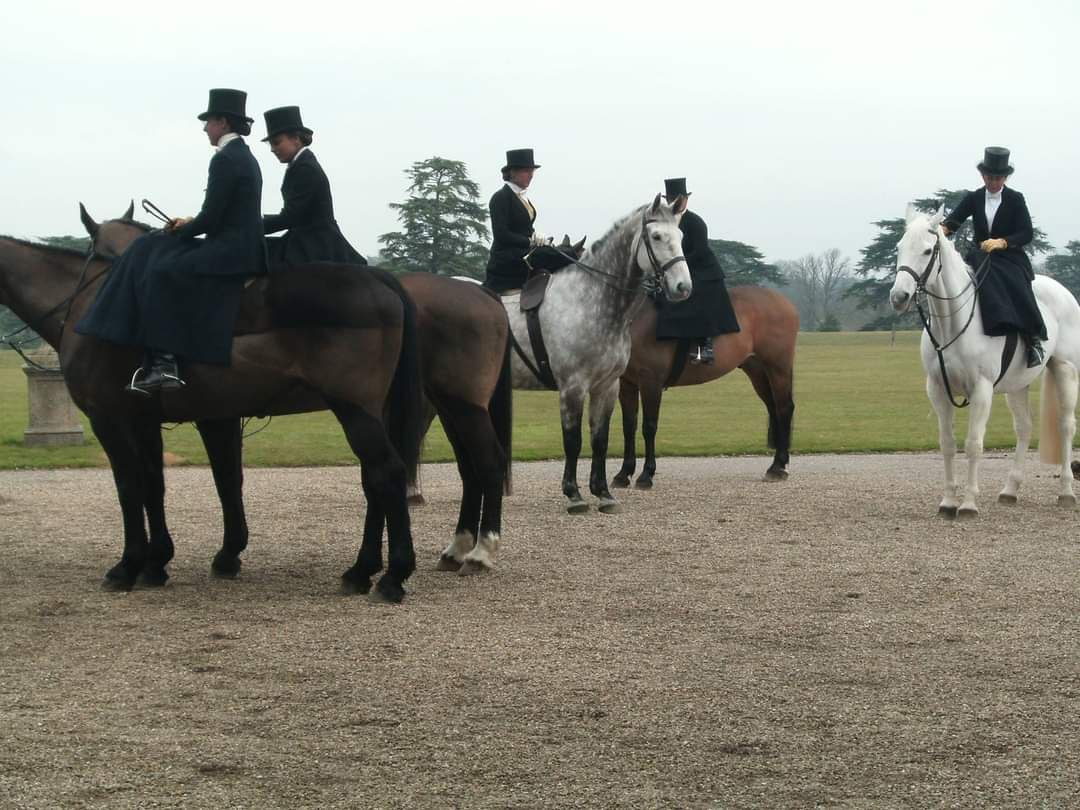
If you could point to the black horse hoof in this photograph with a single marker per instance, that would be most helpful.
(152, 578)
(947, 512)
(776, 474)
(643, 483)
(621, 481)
(353, 582)
(117, 585)
(225, 566)
(387, 590)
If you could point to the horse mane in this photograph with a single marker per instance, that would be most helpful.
(58, 249)
(598, 244)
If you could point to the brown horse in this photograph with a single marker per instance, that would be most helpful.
(355, 352)
(764, 349)
(464, 345)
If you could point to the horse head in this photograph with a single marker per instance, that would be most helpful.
(917, 253)
(662, 242)
(112, 237)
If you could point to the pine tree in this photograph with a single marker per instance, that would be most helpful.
(443, 225)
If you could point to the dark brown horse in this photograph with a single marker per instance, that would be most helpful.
(464, 345)
(764, 349)
(355, 352)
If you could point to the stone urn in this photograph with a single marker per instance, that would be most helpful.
(54, 419)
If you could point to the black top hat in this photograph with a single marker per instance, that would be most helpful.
(995, 162)
(283, 119)
(520, 159)
(224, 102)
(675, 187)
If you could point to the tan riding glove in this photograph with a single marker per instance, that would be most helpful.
(991, 245)
(173, 224)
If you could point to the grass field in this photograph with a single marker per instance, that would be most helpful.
(854, 392)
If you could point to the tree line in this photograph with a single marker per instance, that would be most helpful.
(443, 230)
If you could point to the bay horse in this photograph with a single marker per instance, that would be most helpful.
(970, 363)
(585, 322)
(354, 351)
(764, 349)
(464, 345)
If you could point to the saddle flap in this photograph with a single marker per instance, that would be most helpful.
(532, 294)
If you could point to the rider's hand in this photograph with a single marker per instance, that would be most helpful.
(991, 245)
(538, 239)
(173, 224)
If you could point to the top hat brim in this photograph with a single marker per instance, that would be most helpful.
(510, 166)
(280, 130)
(204, 116)
(683, 194)
(994, 171)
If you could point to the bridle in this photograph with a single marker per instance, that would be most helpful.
(652, 284)
(65, 305)
(922, 293)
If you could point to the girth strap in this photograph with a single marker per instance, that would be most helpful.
(1007, 352)
(678, 363)
(542, 370)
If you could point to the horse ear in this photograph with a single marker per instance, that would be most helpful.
(87, 221)
(680, 204)
(579, 247)
(130, 213)
(937, 218)
(910, 213)
(656, 204)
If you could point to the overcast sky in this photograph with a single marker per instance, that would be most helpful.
(797, 124)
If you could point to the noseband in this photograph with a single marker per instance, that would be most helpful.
(654, 283)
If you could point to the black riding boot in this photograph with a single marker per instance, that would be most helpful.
(163, 375)
(1035, 352)
(704, 354)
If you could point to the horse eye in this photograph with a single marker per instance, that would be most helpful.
(927, 252)
(656, 236)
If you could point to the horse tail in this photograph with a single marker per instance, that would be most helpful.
(501, 409)
(406, 414)
(1050, 416)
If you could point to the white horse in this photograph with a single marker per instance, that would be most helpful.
(585, 322)
(929, 264)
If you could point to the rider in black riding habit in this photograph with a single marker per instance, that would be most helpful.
(708, 311)
(1002, 229)
(308, 213)
(515, 244)
(178, 296)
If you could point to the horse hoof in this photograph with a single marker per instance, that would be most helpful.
(387, 590)
(578, 507)
(353, 582)
(947, 512)
(775, 474)
(117, 585)
(470, 567)
(643, 483)
(620, 481)
(609, 506)
(225, 566)
(1068, 501)
(1007, 500)
(967, 513)
(447, 564)
(152, 579)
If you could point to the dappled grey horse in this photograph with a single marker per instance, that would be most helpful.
(585, 320)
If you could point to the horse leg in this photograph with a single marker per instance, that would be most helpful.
(160, 549)
(415, 492)
(482, 452)
(773, 385)
(628, 405)
(224, 443)
(1066, 378)
(950, 500)
(601, 406)
(571, 405)
(120, 443)
(1021, 414)
(651, 395)
(978, 414)
(383, 477)
(468, 525)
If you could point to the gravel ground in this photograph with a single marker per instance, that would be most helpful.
(719, 643)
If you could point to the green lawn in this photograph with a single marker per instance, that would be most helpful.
(854, 392)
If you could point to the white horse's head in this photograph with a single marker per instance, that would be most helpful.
(914, 254)
(660, 248)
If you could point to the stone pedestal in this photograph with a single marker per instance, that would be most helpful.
(54, 419)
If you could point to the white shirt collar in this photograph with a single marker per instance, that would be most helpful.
(995, 196)
(225, 140)
(298, 154)
(516, 188)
